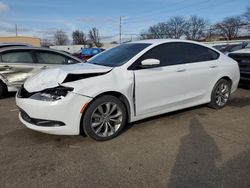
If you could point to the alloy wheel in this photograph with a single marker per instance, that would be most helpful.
(106, 119)
(222, 94)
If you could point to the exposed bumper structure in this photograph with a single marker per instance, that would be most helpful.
(65, 113)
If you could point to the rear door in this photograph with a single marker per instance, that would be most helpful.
(16, 66)
(203, 70)
(48, 59)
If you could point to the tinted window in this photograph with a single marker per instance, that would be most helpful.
(17, 57)
(196, 53)
(53, 58)
(168, 54)
(119, 55)
(95, 51)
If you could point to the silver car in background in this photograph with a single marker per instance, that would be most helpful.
(19, 62)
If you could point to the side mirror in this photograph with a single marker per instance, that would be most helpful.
(150, 63)
(70, 61)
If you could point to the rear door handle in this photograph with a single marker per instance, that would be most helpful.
(213, 66)
(44, 67)
(181, 70)
(7, 67)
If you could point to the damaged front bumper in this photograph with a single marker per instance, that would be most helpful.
(61, 117)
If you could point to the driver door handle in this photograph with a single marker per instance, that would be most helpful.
(7, 67)
(44, 67)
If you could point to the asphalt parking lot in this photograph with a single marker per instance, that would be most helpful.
(197, 147)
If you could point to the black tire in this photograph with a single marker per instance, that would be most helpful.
(3, 90)
(214, 96)
(92, 110)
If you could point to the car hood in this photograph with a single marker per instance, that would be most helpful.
(56, 76)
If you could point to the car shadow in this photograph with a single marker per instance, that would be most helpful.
(195, 163)
(171, 115)
(244, 85)
(236, 171)
(239, 102)
(10, 95)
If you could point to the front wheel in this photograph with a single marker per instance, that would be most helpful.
(104, 118)
(220, 94)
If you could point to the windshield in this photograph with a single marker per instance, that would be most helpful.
(248, 45)
(86, 51)
(119, 55)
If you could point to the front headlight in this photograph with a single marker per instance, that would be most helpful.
(52, 94)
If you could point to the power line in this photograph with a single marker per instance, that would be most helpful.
(120, 29)
(16, 29)
(146, 18)
(209, 28)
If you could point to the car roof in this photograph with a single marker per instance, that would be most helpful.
(14, 44)
(160, 41)
(156, 42)
(37, 48)
(243, 51)
(30, 48)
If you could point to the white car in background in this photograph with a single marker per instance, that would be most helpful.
(127, 83)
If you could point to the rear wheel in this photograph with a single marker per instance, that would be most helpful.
(3, 89)
(105, 118)
(221, 94)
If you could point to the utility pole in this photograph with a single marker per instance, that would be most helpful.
(16, 29)
(120, 33)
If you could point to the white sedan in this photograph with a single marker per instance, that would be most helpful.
(127, 83)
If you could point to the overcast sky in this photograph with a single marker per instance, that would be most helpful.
(42, 17)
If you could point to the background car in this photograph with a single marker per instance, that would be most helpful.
(87, 53)
(18, 63)
(243, 58)
(230, 47)
(5, 45)
(127, 83)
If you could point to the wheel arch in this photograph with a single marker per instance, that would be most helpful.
(226, 78)
(116, 94)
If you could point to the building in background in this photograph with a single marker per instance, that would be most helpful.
(69, 48)
(20, 39)
(75, 48)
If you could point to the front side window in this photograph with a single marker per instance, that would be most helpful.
(17, 57)
(119, 55)
(51, 58)
(168, 54)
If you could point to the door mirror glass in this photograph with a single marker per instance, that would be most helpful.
(70, 61)
(150, 62)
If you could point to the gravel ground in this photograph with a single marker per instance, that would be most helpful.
(197, 147)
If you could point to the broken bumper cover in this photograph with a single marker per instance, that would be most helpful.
(61, 117)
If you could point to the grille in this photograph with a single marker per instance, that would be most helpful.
(40, 122)
(23, 93)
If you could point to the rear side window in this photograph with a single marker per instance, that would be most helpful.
(51, 58)
(17, 57)
(195, 53)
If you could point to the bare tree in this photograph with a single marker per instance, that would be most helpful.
(177, 26)
(247, 14)
(46, 43)
(195, 28)
(61, 38)
(229, 27)
(158, 31)
(78, 37)
(94, 37)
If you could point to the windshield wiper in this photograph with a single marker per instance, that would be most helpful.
(106, 65)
